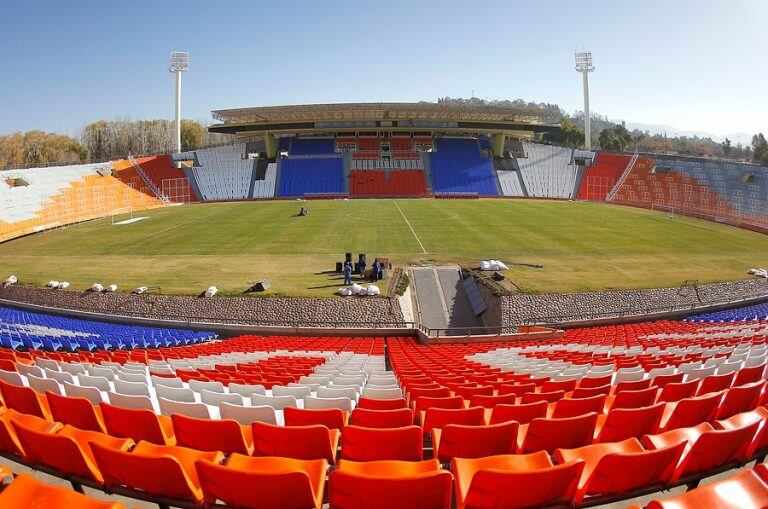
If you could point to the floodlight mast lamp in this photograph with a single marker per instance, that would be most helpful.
(584, 66)
(179, 64)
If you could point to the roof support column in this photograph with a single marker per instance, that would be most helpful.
(271, 143)
(497, 144)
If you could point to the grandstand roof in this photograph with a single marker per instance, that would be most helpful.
(392, 111)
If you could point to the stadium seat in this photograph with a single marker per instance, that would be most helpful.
(522, 414)
(744, 490)
(616, 469)
(298, 442)
(77, 412)
(25, 400)
(633, 399)
(690, 412)
(439, 417)
(759, 445)
(676, 391)
(509, 481)
(486, 401)
(9, 441)
(740, 399)
(139, 425)
(245, 415)
(373, 444)
(223, 435)
(264, 482)
(381, 404)
(388, 484)
(331, 418)
(162, 472)
(573, 407)
(550, 434)
(27, 492)
(368, 418)
(461, 441)
(623, 423)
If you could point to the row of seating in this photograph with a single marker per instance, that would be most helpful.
(26, 491)
(387, 183)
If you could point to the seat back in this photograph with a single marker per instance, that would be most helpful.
(299, 442)
(276, 402)
(77, 412)
(549, 397)
(522, 414)
(24, 400)
(439, 417)
(133, 423)
(460, 441)
(567, 433)
(197, 410)
(716, 383)
(223, 435)
(368, 418)
(131, 388)
(676, 391)
(571, 407)
(216, 398)
(126, 401)
(43, 385)
(715, 448)
(692, 411)
(624, 423)
(426, 490)
(175, 394)
(245, 415)
(92, 394)
(382, 404)
(56, 451)
(343, 403)
(372, 444)
(740, 399)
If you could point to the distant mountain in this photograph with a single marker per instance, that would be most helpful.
(736, 138)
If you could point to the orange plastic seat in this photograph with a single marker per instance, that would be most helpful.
(690, 412)
(369, 418)
(551, 434)
(522, 414)
(25, 400)
(572, 407)
(676, 391)
(440, 417)
(331, 418)
(27, 492)
(382, 404)
(9, 441)
(264, 482)
(623, 423)
(460, 441)
(70, 451)
(373, 444)
(510, 481)
(298, 442)
(744, 490)
(389, 484)
(618, 468)
(740, 399)
(549, 397)
(161, 471)
(634, 399)
(77, 412)
(706, 447)
(224, 435)
(138, 424)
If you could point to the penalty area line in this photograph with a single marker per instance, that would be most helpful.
(411, 227)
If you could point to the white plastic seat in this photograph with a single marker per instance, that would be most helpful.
(132, 377)
(654, 372)
(11, 377)
(42, 385)
(628, 376)
(245, 415)
(59, 376)
(199, 385)
(131, 388)
(393, 393)
(47, 363)
(297, 392)
(382, 380)
(728, 367)
(698, 374)
(101, 371)
(196, 410)
(99, 382)
(276, 402)
(340, 403)
(246, 389)
(73, 369)
(130, 401)
(183, 395)
(312, 387)
(216, 398)
(27, 370)
(166, 382)
(92, 394)
(330, 392)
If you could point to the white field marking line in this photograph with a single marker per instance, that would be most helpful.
(411, 227)
(183, 224)
(130, 221)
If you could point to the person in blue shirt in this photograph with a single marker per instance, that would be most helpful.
(347, 273)
(375, 269)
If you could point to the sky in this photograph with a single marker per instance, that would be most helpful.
(693, 64)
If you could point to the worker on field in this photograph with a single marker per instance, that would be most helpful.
(375, 269)
(361, 267)
(347, 273)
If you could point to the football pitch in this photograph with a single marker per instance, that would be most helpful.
(580, 246)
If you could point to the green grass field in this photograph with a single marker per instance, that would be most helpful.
(582, 246)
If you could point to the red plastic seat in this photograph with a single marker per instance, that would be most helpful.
(551, 434)
(623, 423)
(512, 481)
(266, 483)
(707, 448)
(77, 412)
(223, 435)
(389, 484)
(759, 444)
(331, 418)
(749, 375)
(367, 418)
(572, 407)
(690, 412)
(740, 399)
(634, 399)
(373, 444)
(25, 400)
(491, 401)
(549, 397)
(467, 392)
(138, 424)
(516, 389)
(382, 404)
(744, 490)
(588, 392)
(9, 441)
(460, 441)
(298, 442)
(715, 383)
(522, 414)
(69, 452)
(159, 470)
(595, 381)
(27, 492)
(676, 391)
(423, 403)
(436, 392)
(618, 468)
(558, 385)
(634, 385)
(662, 381)
(439, 417)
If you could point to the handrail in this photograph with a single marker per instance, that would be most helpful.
(615, 190)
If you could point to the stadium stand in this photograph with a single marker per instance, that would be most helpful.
(601, 177)
(312, 146)
(743, 314)
(226, 173)
(509, 178)
(300, 176)
(548, 171)
(458, 167)
(387, 183)
(161, 171)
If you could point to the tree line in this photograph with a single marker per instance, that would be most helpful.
(103, 140)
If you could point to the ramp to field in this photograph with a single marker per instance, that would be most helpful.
(442, 301)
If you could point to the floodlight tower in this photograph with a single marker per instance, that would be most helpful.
(179, 64)
(584, 66)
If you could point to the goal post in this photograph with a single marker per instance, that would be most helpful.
(120, 214)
